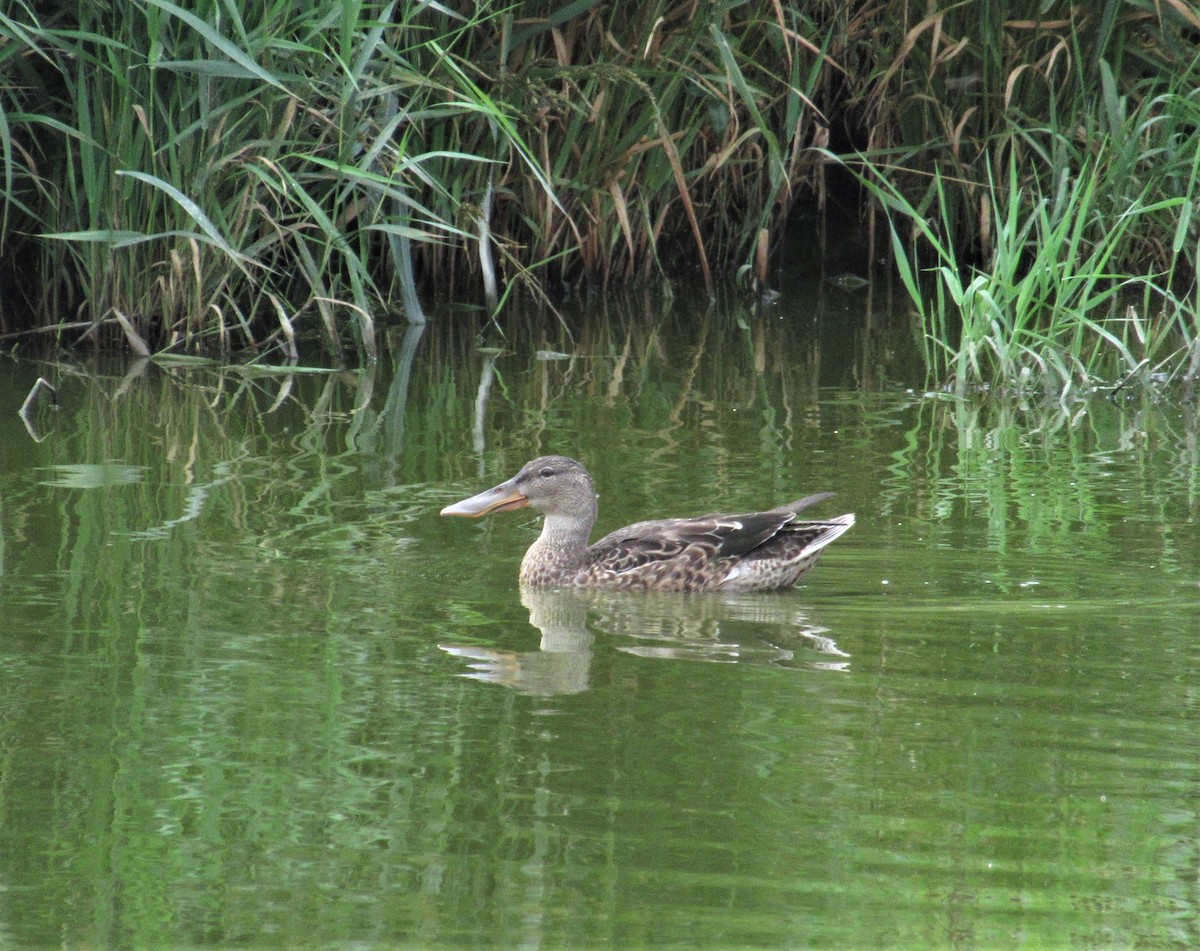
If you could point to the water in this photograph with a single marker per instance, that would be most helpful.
(255, 692)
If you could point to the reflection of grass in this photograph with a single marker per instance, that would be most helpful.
(257, 697)
(347, 463)
(84, 475)
(1050, 480)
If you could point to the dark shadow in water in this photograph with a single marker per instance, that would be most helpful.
(761, 629)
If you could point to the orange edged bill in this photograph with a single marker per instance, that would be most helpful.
(502, 498)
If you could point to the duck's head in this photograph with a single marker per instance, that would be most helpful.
(554, 485)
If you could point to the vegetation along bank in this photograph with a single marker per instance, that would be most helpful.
(264, 176)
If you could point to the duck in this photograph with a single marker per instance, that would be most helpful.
(759, 551)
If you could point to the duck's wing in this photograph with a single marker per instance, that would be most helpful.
(697, 540)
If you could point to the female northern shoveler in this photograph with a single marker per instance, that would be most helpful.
(761, 551)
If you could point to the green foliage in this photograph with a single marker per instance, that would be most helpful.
(214, 175)
(210, 171)
(207, 177)
(1047, 310)
(1051, 181)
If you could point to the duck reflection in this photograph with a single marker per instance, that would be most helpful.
(718, 628)
(561, 663)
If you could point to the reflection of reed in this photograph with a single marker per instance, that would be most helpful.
(395, 410)
(1044, 475)
(484, 391)
(669, 372)
(746, 629)
(42, 394)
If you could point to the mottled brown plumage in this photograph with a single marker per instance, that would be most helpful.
(759, 551)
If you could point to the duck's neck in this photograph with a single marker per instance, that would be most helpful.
(560, 551)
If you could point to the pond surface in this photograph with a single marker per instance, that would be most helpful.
(254, 692)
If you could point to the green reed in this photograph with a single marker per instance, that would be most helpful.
(207, 176)
(196, 175)
(1048, 308)
(1069, 255)
(1039, 172)
(231, 181)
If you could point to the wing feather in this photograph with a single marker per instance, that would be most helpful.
(710, 536)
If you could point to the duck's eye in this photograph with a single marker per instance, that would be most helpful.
(546, 473)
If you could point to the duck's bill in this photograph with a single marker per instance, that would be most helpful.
(502, 498)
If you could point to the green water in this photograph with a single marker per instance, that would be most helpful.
(254, 692)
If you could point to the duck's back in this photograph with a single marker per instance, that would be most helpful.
(753, 552)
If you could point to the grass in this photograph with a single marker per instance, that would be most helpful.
(196, 176)
(1056, 248)
(202, 177)
(1047, 309)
